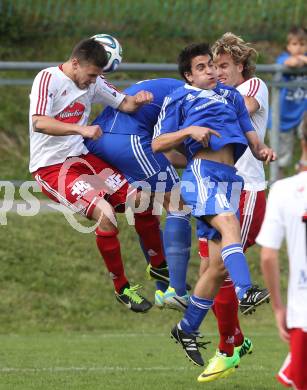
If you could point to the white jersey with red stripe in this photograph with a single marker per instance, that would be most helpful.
(55, 95)
(248, 166)
(286, 208)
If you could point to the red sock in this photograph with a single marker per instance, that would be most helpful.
(148, 228)
(239, 336)
(109, 248)
(226, 312)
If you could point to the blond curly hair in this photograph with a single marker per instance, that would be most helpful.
(239, 50)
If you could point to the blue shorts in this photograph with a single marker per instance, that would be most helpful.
(133, 156)
(210, 188)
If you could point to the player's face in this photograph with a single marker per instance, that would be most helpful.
(85, 74)
(227, 71)
(296, 46)
(203, 72)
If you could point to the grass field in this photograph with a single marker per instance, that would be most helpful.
(126, 360)
(61, 327)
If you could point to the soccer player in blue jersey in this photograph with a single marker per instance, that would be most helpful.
(212, 122)
(126, 144)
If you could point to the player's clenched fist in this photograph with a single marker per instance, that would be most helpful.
(93, 132)
(143, 97)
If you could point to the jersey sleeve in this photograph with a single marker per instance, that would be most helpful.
(169, 118)
(43, 93)
(105, 93)
(243, 116)
(272, 231)
(257, 89)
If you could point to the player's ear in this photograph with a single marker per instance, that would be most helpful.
(74, 62)
(188, 76)
(240, 67)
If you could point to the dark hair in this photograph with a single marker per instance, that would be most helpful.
(297, 32)
(188, 53)
(90, 51)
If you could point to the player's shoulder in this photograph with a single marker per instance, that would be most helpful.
(53, 70)
(47, 79)
(178, 94)
(228, 92)
(252, 87)
(51, 74)
(220, 88)
(289, 189)
(282, 186)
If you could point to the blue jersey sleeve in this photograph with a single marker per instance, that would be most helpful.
(169, 118)
(243, 115)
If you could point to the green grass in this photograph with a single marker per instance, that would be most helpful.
(126, 360)
(53, 279)
(61, 327)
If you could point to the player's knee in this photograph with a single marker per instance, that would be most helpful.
(104, 214)
(103, 233)
(216, 271)
(228, 225)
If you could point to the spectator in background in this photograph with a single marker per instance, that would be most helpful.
(292, 101)
(289, 221)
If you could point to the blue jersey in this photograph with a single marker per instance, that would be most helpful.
(143, 120)
(293, 101)
(221, 109)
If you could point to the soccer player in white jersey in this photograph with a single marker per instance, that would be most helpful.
(60, 105)
(286, 216)
(235, 61)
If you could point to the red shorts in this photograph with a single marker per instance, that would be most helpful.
(293, 373)
(81, 181)
(252, 210)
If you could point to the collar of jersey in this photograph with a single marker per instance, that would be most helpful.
(188, 86)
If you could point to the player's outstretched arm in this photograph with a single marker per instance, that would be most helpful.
(260, 151)
(132, 103)
(51, 126)
(168, 141)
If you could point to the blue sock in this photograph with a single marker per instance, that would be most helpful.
(195, 313)
(237, 267)
(177, 244)
(159, 285)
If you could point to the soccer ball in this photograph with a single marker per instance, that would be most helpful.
(113, 49)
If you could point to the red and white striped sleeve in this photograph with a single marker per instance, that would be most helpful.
(255, 88)
(42, 94)
(254, 84)
(105, 93)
